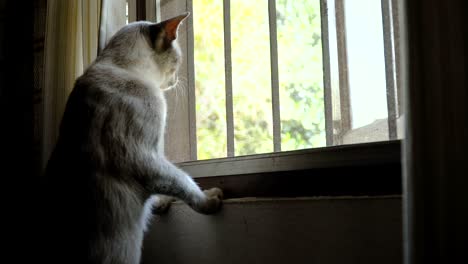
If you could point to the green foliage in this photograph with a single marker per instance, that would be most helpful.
(300, 75)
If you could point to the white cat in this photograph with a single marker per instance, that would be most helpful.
(108, 166)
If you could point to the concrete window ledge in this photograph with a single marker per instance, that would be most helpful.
(296, 230)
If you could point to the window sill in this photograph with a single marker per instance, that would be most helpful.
(360, 169)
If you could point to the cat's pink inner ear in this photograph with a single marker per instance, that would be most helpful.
(171, 26)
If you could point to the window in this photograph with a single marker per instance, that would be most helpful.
(282, 75)
(283, 80)
(287, 75)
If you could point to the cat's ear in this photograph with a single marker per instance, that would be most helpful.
(167, 31)
(172, 25)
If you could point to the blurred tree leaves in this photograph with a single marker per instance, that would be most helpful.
(300, 76)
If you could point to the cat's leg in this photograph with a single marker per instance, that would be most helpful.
(162, 203)
(172, 181)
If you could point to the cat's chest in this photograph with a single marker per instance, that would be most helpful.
(152, 109)
(152, 127)
(156, 103)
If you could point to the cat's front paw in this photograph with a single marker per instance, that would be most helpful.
(214, 192)
(212, 203)
(162, 204)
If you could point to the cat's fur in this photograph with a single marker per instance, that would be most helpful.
(108, 166)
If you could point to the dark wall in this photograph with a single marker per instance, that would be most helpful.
(22, 30)
(322, 230)
(17, 175)
(436, 160)
(16, 82)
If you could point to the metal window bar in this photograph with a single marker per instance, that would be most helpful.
(140, 10)
(396, 50)
(228, 78)
(151, 10)
(190, 79)
(131, 10)
(275, 101)
(157, 11)
(344, 125)
(389, 67)
(326, 73)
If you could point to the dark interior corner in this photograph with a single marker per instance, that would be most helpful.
(17, 84)
(18, 174)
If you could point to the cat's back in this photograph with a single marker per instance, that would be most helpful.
(104, 98)
(108, 110)
(105, 108)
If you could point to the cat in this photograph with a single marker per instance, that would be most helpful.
(108, 167)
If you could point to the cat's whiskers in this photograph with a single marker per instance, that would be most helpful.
(183, 84)
(180, 89)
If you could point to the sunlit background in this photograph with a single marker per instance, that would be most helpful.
(300, 73)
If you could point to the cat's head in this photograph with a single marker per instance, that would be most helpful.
(150, 49)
